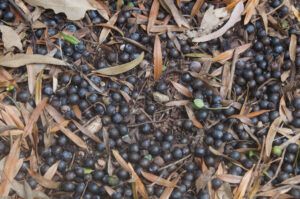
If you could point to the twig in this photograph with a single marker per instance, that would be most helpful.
(176, 162)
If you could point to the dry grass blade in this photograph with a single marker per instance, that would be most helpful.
(168, 191)
(192, 117)
(140, 186)
(10, 38)
(31, 73)
(292, 47)
(153, 15)
(77, 111)
(196, 8)
(229, 53)
(293, 180)
(234, 18)
(9, 170)
(43, 181)
(72, 136)
(157, 56)
(121, 161)
(257, 113)
(51, 171)
(105, 31)
(115, 70)
(17, 60)
(38, 88)
(107, 25)
(86, 132)
(34, 117)
(271, 135)
(244, 185)
(157, 179)
(262, 13)
(182, 89)
(179, 19)
(178, 103)
(233, 179)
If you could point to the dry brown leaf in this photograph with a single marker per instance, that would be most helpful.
(101, 8)
(164, 28)
(31, 73)
(157, 56)
(249, 10)
(10, 38)
(77, 111)
(168, 191)
(153, 15)
(55, 114)
(222, 57)
(234, 18)
(115, 70)
(51, 171)
(9, 170)
(17, 60)
(121, 161)
(109, 190)
(107, 25)
(292, 47)
(196, 8)
(203, 179)
(38, 88)
(262, 13)
(293, 180)
(157, 179)
(15, 115)
(225, 80)
(182, 89)
(257, 113)
(107, 146)
(243, 118)
(140, 186)
(192, 117)
(42, 180)
(105, 31)
(179, 19)
(284, 112)
(34, 117)
(72, 136)
(125, 95)
(244, 185)
(73, 11)
(178, 103)
(233, 179)
(271, 135)
(296, 13)
(86, 132)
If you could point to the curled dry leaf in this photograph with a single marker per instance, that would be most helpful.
(181, 89)
(51, 171)
(42, 180)
(158, 97)
(153, 15)
(10, 38)
(157, 56)
(73, 11)
(192, 117)
(115, 70)
(86, 132)
(234, 18)
(157, 179)
(77, 111)
(271, 135)
(9, 170)
(101, 8)
(244, 185)
(17, 60)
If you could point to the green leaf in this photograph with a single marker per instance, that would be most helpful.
(164, 68)
(199, 104)
(87, 170)
(10, 88)
(113, 180)
(116, 70)
(251, 154)
(70, 38)
(149, 157)
(284, 24)
(130, 4)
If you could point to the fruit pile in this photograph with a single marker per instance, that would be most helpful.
(204, 129)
